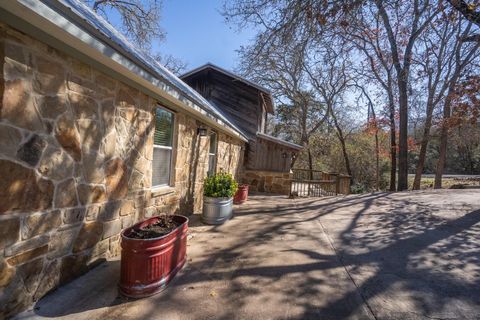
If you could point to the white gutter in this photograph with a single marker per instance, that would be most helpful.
(36, 18)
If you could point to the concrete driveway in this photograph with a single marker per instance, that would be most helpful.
(375, 256)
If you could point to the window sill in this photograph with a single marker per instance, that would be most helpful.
(161, 191)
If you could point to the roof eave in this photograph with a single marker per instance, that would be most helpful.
(279, 141)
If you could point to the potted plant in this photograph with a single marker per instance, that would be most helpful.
(218, 198)
(241, 195)
(153, 251)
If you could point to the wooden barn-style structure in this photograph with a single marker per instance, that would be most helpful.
(247, 105)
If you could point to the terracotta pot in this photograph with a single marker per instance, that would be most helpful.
(148, 265)
(241, 195)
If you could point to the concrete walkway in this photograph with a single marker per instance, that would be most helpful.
(376, 256)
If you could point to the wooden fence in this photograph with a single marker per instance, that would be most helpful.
(314, 183)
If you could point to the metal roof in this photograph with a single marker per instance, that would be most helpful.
(84, 17)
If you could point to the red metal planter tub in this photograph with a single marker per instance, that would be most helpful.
(241, 195)
(148, 265)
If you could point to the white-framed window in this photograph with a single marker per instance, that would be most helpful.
(212, 153)
(162, 148)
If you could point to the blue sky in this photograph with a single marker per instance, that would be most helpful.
(197, 33)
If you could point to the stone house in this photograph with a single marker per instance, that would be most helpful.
(94, 136)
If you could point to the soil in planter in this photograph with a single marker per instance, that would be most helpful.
(162, 227)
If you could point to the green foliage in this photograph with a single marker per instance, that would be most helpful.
(360, 144)
(463, 151)
(357, 188)
(220, 185)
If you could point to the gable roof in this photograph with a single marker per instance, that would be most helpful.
(265, 94)
(64, 19)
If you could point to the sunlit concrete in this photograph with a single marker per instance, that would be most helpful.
(411, 255)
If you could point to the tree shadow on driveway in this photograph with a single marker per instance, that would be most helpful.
(383, 256)
(408, 263)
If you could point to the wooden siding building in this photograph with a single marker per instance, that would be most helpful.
(247, 105)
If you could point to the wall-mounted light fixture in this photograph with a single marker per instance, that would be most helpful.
(284, 155)
(202, 132)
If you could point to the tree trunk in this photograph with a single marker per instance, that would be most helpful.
(306, 145)
(471, 162)
(393, 151)
(421, 160)
(310, 163)
(345, 156)
(377, 154)
(341, 138)
(441, 158)
(423, 147)
(403, 134)
(443, 141)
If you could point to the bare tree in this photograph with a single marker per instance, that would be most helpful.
(173, 64)
(399, 24)
(385, 33)
(409, 50)
(342, 139)
(373, 123)
(414, 17)
(140, 23)
(435, 60)
(463, 57)
(140, 20)
(471, 12)
(281, 69)
(367, 36)
(330, 78)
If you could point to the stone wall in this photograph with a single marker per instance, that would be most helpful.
(268, 181)
(230, 155)
(75, 167)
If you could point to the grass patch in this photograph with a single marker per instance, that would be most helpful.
(447, 183)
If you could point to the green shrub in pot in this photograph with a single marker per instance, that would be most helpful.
(220, 185)
(218, 193)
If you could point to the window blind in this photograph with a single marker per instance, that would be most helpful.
(213, 142)
(163, 128)
(212, 157)
(162, 148)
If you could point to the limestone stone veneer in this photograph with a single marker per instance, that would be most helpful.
(75, 167)
(268, 181)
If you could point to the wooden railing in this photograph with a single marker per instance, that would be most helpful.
(315, 183)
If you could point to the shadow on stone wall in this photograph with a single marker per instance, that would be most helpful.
(75, 168)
